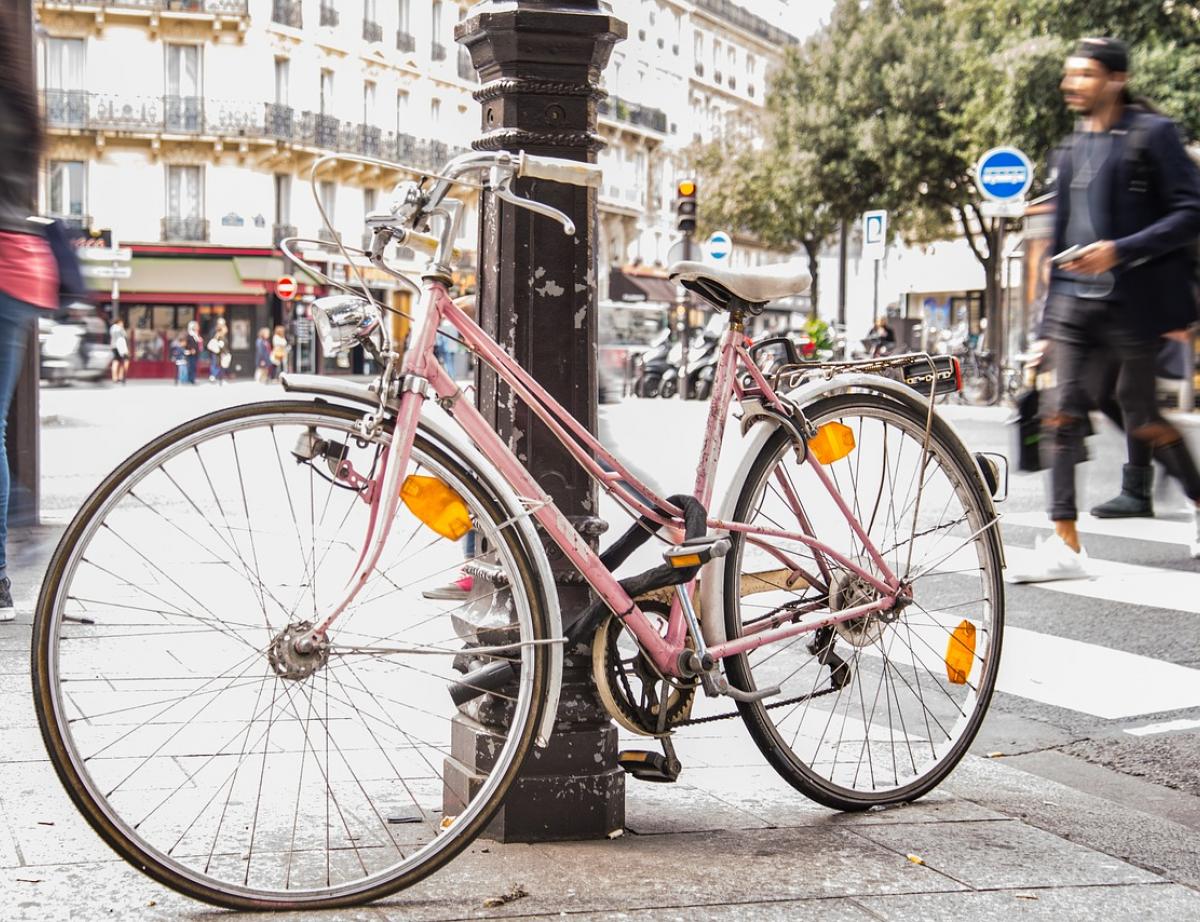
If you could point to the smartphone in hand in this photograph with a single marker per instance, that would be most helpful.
(1066, 256)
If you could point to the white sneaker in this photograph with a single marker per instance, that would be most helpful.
(1052, 559)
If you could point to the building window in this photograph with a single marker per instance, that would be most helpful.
(437, 20)
(327, 190)
(404, 21)
(65, 190)
(184, 219)
(64, 63)
(283, 199)
(327, 91)
(401, 110)
(368, 115)
(283, 69)
(370, 199)
(435, 111)
(184, 88)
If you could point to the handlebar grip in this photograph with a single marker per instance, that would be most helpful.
(426, 243)
(556, 169)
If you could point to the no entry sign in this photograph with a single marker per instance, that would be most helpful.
(286, 287)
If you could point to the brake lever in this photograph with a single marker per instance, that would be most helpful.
(504, 192)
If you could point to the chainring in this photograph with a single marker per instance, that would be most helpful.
(629, 684)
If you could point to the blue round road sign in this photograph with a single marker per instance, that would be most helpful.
(1004, 174)
(719, 245)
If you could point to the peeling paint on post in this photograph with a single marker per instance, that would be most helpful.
(539, 64)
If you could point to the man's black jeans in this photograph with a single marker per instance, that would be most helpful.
(1088, 336)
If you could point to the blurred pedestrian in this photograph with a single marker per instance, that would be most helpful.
(28, 276)
(279, 352)
(119, 339)
(179, 357)
(881, 340)
(262, 356)
(194, 347)
(1122, 278)
(220, 356)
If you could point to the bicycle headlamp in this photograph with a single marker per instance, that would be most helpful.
(344, 321)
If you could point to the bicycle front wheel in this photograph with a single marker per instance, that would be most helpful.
(207, 748)
(878, 709)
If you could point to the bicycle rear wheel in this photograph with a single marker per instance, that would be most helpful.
(879, 709)
(195, 737)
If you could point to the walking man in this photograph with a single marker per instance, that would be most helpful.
(1123, 239)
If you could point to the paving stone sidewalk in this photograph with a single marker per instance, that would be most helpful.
(730, 841)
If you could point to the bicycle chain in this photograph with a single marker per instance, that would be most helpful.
(770, 707)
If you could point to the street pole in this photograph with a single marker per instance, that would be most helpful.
(539, 65)
(1000, 321)
(686, 335)
(876, 303)
(843, 259)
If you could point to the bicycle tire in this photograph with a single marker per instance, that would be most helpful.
(870, 643)
(445, 842)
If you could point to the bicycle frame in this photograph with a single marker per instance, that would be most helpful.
(424, 376)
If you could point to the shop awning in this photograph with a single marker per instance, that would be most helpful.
(259, 268)
(176, 280)
(625, 286)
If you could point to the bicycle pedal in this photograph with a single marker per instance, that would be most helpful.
(649, 766)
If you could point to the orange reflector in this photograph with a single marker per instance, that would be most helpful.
(960, 653)
(832, 442)
(688, 560)
(435, 504)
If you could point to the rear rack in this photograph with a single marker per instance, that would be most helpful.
(929, 375)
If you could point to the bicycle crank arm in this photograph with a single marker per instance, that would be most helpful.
(716, 684)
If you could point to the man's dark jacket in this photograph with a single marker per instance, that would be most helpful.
(1154, 228)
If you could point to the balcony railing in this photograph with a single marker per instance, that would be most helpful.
(466, 70)
(215, 7)
(187, 229)
(437, 51)
(405, 41)
(280, 121)
(372, 31)
(329, 15)
(744, 19)
(183, 113)
(271, 121)
(633, 114)
(288, 13)
(280, 232)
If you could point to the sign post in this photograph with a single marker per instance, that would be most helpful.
(875, 233)
(1003, 176)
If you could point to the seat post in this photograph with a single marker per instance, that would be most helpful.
(736, 323)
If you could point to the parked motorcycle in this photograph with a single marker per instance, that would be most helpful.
(73, 348)
(652, 365)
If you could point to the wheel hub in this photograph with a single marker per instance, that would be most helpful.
(849, 590)
(288, 661)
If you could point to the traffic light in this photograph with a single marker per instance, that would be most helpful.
(685, 206)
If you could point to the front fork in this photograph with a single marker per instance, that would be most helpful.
(384, 503)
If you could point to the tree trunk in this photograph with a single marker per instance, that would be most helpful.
(813, 249)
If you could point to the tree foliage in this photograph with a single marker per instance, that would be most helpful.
(893, 102)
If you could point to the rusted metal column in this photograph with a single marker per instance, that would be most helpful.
(539, 65)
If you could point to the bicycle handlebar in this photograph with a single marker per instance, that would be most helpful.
(556, 169)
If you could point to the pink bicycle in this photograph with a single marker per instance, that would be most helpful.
(246, 689)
